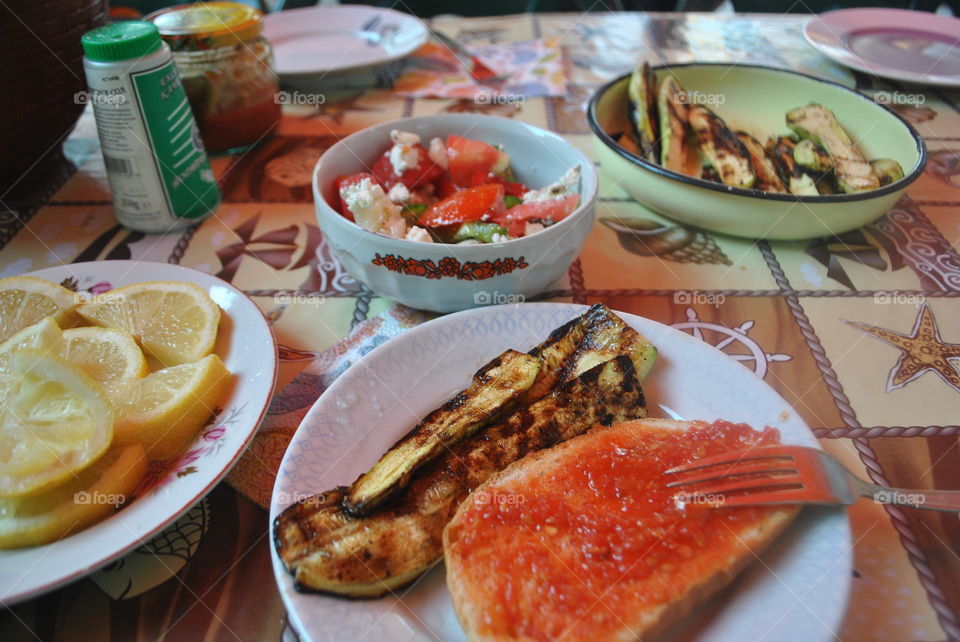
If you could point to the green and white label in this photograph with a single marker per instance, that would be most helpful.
(190, 186)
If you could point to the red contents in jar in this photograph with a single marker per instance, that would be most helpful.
(238, 127)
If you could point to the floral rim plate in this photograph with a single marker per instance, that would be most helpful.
(171, 488)
(913, 46)
(320, 40)
(798, 592)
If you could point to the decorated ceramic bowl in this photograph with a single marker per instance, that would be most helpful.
(445, 277)
(756, 99)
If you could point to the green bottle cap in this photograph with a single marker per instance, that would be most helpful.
(121, 41)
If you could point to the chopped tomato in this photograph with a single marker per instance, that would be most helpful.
(425, 172)
(511, 188)
(466, 205)
(467, 157)
(445, 188)
(556, 209)
(343, 181)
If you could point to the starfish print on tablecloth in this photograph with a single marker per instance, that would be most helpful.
(921, 351)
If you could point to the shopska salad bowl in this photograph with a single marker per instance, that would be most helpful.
(437, 273)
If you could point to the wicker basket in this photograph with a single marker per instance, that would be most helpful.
(42, 73)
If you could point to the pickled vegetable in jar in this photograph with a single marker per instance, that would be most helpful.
(226, 66)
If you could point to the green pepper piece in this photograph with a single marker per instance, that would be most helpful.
(480, 231)
(412, 212)
(510, 200)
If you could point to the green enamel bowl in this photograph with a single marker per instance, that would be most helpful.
(756, 99)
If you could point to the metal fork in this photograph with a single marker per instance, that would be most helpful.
(793, 475)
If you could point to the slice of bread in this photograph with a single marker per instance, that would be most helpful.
(584, 542)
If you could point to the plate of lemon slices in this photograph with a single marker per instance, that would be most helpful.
(127, 391)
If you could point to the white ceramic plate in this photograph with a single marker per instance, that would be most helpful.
(798, 593)
(247, 348)
(319, 40)
(913, 46)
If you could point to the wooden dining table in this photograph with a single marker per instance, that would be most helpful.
(859, 333)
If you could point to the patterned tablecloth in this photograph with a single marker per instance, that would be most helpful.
(870, 370)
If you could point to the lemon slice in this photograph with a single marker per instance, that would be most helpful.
(108, 355)
(44, 337)
(175, 322)
(25, 300)
(82, 500)
(164, 410)
(55, 422)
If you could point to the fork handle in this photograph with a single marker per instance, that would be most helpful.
(943, 500)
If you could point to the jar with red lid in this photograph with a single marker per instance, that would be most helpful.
(226, 66)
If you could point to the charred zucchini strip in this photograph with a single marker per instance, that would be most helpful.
(812, 157)
(493, 392)
(816, 122)
(888, 170)
(767, 179)
(780, 150)
(642, 96)
(721, 146)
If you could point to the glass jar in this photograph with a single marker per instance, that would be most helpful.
(226, 66)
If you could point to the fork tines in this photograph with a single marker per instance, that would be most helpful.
(766, 474)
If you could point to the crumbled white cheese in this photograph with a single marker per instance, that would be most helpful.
(399, 193)
(372, 209)
(416, 233)
(532, 228)
(403, 157)
(564, 186)
(438, 152)
(404, 138)
(497, 237)
(469, 242)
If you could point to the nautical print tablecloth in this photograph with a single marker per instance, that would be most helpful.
(860, 333)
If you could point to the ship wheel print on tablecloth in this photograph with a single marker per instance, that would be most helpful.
(728, 339)
(921, 351)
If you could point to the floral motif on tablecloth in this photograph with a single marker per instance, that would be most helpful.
(532, 68)
(449, 267)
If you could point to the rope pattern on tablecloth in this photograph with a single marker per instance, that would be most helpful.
(576, 282)
(362, 307)
(908, 539)
(181, 247)
(870, 432)
(910, 543)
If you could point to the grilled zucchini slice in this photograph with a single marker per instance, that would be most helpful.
(676, 153)
(642, 95)
(888, 170)
(812, 157)
(780, 151)
(767, 179)
(816, 122)
(721, 146)
(494, 391)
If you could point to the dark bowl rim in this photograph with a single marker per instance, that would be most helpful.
(607, 140)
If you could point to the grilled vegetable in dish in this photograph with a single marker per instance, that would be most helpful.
(493, 392)
(328, 550)
(766, 173)
(642, 93)
(695, 141)
(780, 150)
(853, 172)
(887, 170)
(812, 157)
(594, 337)
(722, 148)
(589, 371)
(675, 151)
